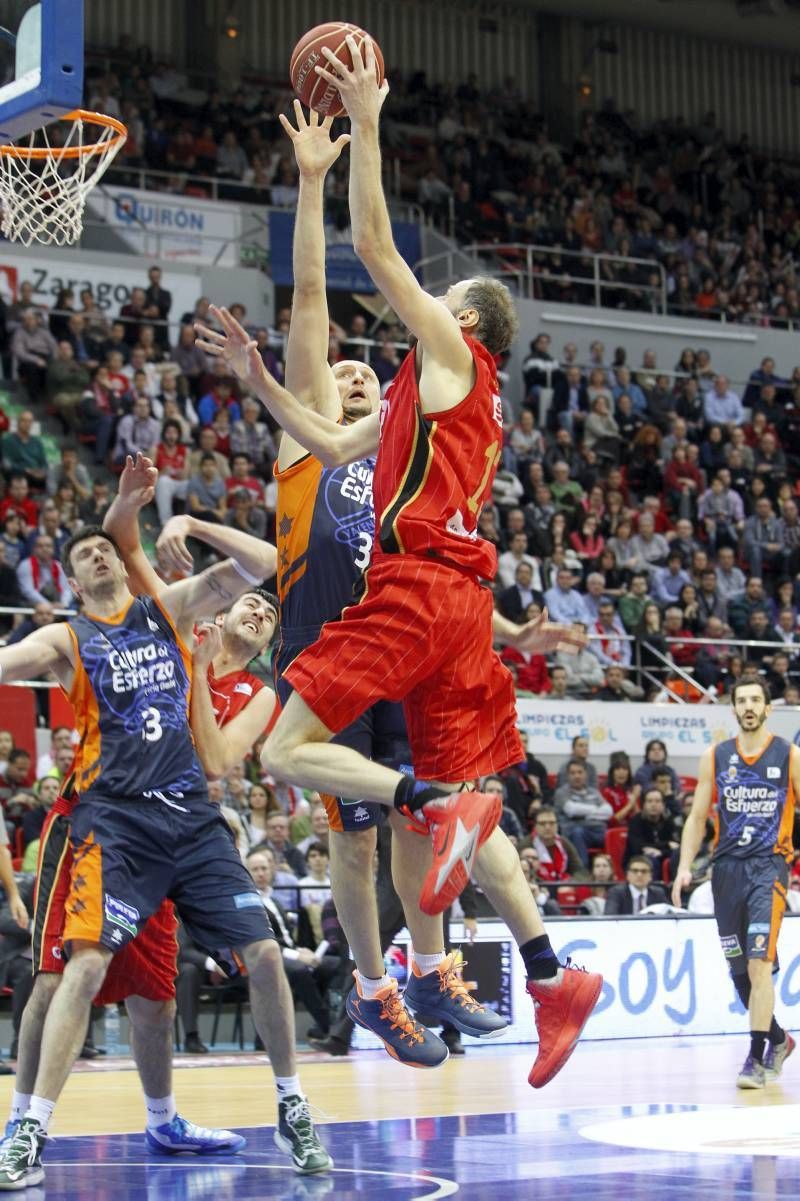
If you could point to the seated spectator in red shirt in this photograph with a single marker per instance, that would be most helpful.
(242, 477)
(622, 793)
(172, 461)
(558, 857)
(683, 653)
(529, 671)
(18, 501)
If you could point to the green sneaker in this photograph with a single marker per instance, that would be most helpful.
(21, 1162)
(297, 1137)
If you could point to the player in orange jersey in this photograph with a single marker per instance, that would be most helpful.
(422, 632)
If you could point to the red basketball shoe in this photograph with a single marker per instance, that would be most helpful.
(459, 825)
(563, 1005)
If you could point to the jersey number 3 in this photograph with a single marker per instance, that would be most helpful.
(151, 725)
(362, 559)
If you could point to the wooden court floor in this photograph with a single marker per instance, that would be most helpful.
(103, 1097)
(647, 1120)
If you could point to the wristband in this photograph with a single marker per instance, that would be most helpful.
(245, 574)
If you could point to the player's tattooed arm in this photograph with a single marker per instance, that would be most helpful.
(331, 443)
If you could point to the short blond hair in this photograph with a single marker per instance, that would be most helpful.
(498, 323)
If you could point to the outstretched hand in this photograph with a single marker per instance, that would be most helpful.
(358, 85)
(314, 149)
(235, 347)
(137, 484)
(541, 637)
(171, 548)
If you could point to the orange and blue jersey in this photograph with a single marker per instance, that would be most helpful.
(325, 529)
(131, 695)
(754, 798)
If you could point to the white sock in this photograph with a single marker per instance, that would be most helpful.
(369, 989)
(159, 1110)
(41, 1110)
(19, 1105)
(428, 963)
(288, 1086)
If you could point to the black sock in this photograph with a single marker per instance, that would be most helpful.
(742, 985)
(410, 794)
(758, 1045)
(539, 958)
(777, 1034)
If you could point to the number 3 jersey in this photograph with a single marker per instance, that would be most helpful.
(754, 799)
(325, 527)
(130, 695)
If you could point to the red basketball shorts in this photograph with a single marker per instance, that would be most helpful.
(146, 967)
(421, 634)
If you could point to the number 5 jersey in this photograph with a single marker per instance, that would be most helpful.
(754, 799)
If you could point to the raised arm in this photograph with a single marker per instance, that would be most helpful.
(308, 375)
(695, 825)
(257, 557)
(220, 750)
(136, 489)
(435, 327)
(331, 443)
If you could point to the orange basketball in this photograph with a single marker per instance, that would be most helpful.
(314, 91)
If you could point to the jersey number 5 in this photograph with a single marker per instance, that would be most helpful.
(151, 725)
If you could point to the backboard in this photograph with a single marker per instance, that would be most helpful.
(41, 62)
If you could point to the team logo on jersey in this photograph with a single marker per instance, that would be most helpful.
(455, 525)
(56, 952)
(734, 759)
(243, 687)
(731, 773)
(497, 409)
(360, 814)
(773, 773)
(153, 625)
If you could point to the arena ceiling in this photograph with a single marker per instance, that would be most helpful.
(773, 23)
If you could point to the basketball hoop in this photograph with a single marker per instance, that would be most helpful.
(43, 188)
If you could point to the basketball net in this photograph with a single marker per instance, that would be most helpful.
(43, 187)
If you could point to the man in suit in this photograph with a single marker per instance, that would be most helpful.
(159, 303)
(309, 974)
(638, 893)
(570, 405)
(513, 602)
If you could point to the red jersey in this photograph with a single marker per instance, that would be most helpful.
(231, 693)
(434, 472)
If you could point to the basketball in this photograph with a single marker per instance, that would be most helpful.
(314, 91)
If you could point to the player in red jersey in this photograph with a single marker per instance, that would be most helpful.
(422, 632)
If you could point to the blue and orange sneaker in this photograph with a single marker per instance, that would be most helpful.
(442, 996)
(775, 1057)
(459, 825)
(180, 1137)
(404, 1038)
